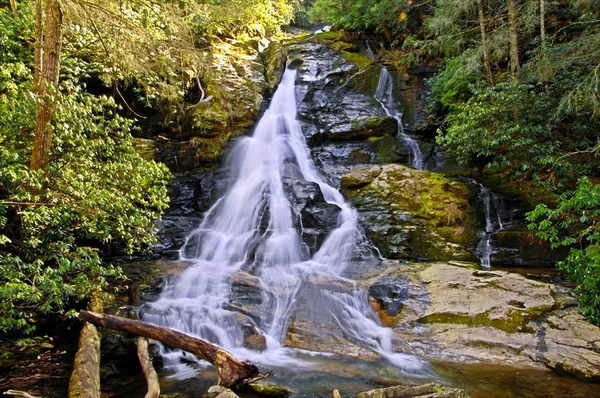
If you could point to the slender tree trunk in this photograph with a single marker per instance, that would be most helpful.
(13, 7)
(486, 55)
(39, 42)
(49, 77)
(514, 42)
(543, 22)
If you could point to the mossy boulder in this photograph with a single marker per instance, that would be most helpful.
(412, 214)
(505, 301)
(430, 390)
(270, 390)
(362, 128)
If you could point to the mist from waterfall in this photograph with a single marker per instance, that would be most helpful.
(253, 227)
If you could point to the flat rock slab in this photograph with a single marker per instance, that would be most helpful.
(459, 313)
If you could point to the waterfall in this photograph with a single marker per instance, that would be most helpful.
(252, 226)
(493, 224)
(383, 95)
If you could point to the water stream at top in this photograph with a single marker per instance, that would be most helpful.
(384, 95)
(253, 228)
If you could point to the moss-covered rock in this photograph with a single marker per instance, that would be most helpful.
(430, 390)
(362, 128)
(271, 390)
(413, 214)
(145, 148)
(274, 59)
(452, 310)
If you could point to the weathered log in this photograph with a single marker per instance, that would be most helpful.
(147, 368)
(17, 393)
(231, 371)
(85, 379)
(146, 363)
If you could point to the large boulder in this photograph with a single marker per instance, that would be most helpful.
(412, 214)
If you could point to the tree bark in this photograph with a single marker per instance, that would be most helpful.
(13, 7)
(39, 42)
(85, 379)
(231, 371)
(486, 55)
(146, 363)
(48, 78)
(543, 22)
(514, 41)
(147, 368)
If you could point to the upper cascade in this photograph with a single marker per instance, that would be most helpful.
(384, 95)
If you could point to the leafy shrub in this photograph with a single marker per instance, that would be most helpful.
(97, 193)
(575, 223)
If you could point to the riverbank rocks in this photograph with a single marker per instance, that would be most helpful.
(453, 311)
(412, 214)
(430, 390)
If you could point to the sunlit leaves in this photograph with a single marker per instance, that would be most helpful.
(97, 193)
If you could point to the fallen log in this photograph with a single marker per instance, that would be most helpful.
(231, 371)
(147, 368)
(85, 379)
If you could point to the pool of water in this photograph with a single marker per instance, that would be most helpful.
(351, 376)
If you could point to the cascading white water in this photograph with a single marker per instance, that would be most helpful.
(234, 234)
(384, 95)
(484, 247)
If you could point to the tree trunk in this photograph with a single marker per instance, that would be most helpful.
(85, 379)
(486, 55)
(543, 22)
(13, 7)
(39, 42)
(514, 42)
(231, 371)
(48, 78)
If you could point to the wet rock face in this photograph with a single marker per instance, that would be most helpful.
(520, 247)
(343, 124)
(410, 214)
(190, 195)
(312, 326)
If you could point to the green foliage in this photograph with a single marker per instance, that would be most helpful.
(236, 18)
(545, 129)
(575, 223)
(389, 17)
(96, 194)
